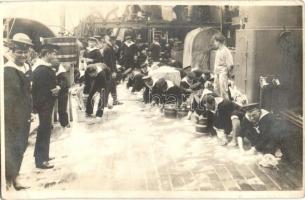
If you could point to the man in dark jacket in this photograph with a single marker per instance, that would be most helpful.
(99, 74)
(264, 131)
(135, 80)
(92, 55)
(17, 109)
(110, 61)
(149, 85)
(155, 50)
(63, 95)
(129, 53)
(186, 85)
(225, 112)
(45, 90)
(168, 92)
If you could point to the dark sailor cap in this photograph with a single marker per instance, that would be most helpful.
(250, 107)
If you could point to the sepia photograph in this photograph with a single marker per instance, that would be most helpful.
(151, 99)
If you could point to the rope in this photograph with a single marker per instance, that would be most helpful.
(8, 35)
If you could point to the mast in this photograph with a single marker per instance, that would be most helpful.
(62, 19)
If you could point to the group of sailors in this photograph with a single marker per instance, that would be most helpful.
(211, 99)
(208, 95)
(33, 81)
(31, 85)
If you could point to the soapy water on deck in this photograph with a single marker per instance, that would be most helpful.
(125, 135)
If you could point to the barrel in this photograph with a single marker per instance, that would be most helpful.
(67, 54)
(68, 51)
(170, 111)
(201, 125)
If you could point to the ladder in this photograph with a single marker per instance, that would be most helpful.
(156, 33)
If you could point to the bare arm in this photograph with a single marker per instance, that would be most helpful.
(240, 143)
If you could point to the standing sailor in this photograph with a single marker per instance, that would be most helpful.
(45, 91)
(17, 108)
(110, 61)
(63, 96)
(129, 53)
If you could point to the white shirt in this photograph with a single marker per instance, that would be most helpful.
(223, 60)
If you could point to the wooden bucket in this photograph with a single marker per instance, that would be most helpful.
(182, 113)
(67, 54)
(170, 111)
(201, 125)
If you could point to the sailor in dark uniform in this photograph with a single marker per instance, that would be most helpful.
(110, 61)
(168, 92)
(198, 107)
(17, 108)
(63, 95)
(149, 86)
(135, 80)
(99, 73)
(129, 53)
(155, 50)
(142, 58)
(45, 91)
(224, 112)
(265, 133)
(92, 55)
(186, 84)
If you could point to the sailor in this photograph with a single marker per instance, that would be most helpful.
(224, 112)
(45, 90)
(129, 53)
(110, 61)
(168, 92)
(92, 54)
(135, 80)
(265, 133)
(63, 95)
(99, 73)
(186, 84)
(198, 107)
(149, 85)
(17, 108)
(155, 50)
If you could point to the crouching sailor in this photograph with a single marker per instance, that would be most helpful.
(265, 133)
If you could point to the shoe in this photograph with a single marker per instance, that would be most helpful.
(19, 186)
(66, 126)
(99, 114)
(88, 115)
(232, 144)
(44, 165)
(116, 103)
(51, 158)
(223, 143)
